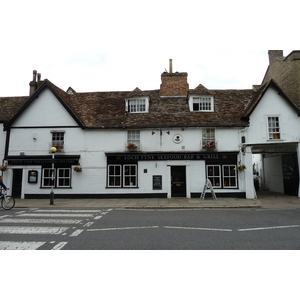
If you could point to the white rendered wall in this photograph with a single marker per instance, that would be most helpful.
(273, 104)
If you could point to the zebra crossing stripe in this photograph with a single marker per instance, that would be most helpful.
(59, 246)
(76, 232)
(31, 230)
(10, 245)
(41, 221)
(56, 215)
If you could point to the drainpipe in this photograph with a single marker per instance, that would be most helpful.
(242, 141)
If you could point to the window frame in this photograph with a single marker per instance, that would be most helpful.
(58, 177)
(221, 176)
(138, 105)
(48, 177)
(224, 176)
(122, 176)
(201, 98)
(208, 135)
(129, 175)
(114, 175)
(56, 183)
(272, 130)
(60, 141)
(214, 176)
(134, 137)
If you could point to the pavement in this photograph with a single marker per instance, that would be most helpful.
(266, 200)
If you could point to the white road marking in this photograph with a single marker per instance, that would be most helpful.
(59, 246)
(20, 212)
(57, 215)
(7, 245)
(268, 228)
(4, 216)
(70, 210)
(76, 232)
(42, 221)
(97, 217)
(122, 228)
(195, 228)
(31, 230)
(88, 224)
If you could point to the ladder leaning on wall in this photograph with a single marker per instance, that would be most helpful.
(206, 186)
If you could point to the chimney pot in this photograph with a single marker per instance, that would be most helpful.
(170, 66)
(33, 84)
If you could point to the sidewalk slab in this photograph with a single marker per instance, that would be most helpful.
(149, 203)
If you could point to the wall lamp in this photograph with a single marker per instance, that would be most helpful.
(153, 132)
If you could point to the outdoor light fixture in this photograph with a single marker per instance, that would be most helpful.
(53, 150)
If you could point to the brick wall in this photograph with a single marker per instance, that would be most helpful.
(286, 73)
(174, 84)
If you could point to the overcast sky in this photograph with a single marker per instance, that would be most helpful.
(120, 45)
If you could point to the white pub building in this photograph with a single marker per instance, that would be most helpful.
(150, 143)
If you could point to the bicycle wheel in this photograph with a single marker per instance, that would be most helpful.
(8, 202)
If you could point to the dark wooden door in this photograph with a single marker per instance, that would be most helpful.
(178, 181)
(290, 174)
(17, 183)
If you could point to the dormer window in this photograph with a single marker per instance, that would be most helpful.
(202, 103)
(137, 105)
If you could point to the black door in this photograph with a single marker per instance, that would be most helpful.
(17, 183)
(290, 174)
(178, 181)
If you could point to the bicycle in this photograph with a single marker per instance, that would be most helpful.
(7, 201)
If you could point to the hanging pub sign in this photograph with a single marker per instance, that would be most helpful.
(32, 176)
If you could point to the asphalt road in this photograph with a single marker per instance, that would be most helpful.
(110, 229)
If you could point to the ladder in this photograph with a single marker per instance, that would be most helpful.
(206, 186)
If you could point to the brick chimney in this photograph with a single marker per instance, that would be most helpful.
(174, 84)
(273, 54)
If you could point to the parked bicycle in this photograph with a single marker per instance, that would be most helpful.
(7, 201)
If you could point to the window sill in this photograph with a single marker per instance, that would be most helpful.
(121, 187)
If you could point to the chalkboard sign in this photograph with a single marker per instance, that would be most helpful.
(32, 176)
(157, 182)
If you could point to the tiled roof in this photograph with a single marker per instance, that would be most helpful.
(258, 94)
(107, 109)
(9, 106)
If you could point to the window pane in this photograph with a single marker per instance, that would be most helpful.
(274, 129)
(114, 175)
(58, 140)
(213, 174)
(130, 175)
(137, 105)
(202, 103)
(63, 177)
(229, 176)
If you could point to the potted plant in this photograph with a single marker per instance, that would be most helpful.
(241, 167)
(131, 147)
(3, 168)
(77, 169)
(209, 145)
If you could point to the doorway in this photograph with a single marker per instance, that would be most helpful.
(17, 183)
(290, 174)
(178, 181)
